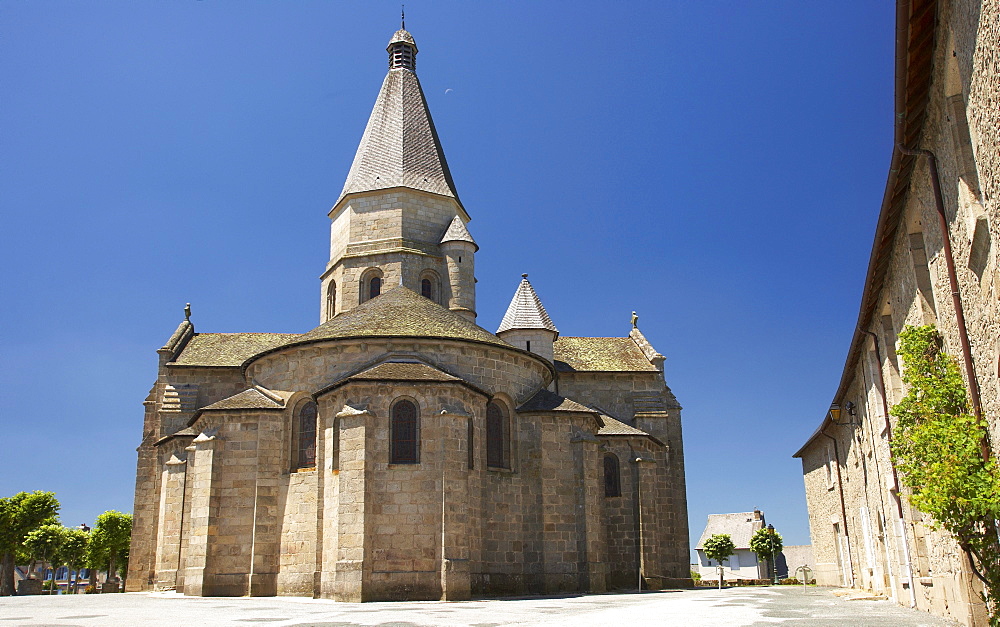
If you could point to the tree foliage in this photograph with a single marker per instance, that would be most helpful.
(719, 547)
(73, 552)
(20, 514)
(109, 542)
(766, 543)
(939, 452)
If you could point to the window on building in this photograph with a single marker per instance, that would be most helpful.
(426, 289)
(497, 435)
(304, 440)
(371, 284)
(612, 476)
(331, 300)
(404, 447)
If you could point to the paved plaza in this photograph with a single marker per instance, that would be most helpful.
(732, 607)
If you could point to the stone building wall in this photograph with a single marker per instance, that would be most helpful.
(885, 545)
(314, 366)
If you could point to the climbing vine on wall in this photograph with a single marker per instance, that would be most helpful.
(940, 452)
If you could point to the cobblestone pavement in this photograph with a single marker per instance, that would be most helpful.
(731, 607)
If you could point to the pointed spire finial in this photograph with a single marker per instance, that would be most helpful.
(402, 17)
(187, 312)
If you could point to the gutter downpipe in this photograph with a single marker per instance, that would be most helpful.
(956, 296)
(843, 508)
(895, 477)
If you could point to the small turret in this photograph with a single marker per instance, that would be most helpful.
(459, 250)
(526, 324)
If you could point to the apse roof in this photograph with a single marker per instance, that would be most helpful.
(400, 312)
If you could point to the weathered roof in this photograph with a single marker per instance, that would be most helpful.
(526, 311)
(404, 36)
(916, 26)
(740, 527)
(613, 426)
(396, 371)
(457, 232)
(227, 349)
(251, 398)
(400, 312)
(400, 146)
(600, 354)
(545, 400)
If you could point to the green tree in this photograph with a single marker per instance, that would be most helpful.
(20, 514)
(767, 545)
(719, 547)
(43, 544)
(73, 552)
(110, 540)
(942, 455)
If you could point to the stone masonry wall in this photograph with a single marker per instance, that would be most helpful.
(903, 557)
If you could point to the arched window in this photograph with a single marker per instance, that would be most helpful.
(304, 437)
(404, 434)
(371, 284)
(612, 478)
(497, 436)
(331, 300)
(430, 285)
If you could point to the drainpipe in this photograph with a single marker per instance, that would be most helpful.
(638, 502)
(895, 477)
(956, 296)
(843, 508)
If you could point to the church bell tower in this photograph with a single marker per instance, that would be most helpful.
(399, 220)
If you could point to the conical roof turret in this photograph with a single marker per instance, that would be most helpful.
(400, 146)
(526, 311)
(457, 232)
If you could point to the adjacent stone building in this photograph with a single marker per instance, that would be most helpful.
(927, 266)
(398, 450)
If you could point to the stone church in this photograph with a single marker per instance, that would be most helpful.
(399, 450)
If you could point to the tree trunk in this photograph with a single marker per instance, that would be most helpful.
(7, 575)
(111, 568)
(92, 572)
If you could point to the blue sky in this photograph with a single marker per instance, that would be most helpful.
(716, 166)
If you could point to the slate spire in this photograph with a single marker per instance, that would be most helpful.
(400, 146)
(526, 311)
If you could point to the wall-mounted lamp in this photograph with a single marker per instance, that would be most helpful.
(837, 415)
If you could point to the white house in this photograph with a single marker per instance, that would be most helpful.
(743, 564)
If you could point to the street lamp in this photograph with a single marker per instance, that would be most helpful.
(774, 554)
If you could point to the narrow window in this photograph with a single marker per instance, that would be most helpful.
(612, 476)
(305, 437)
(426, 289)
(527, 343)
(404, 434)
(331, 300)
(497, 436)
(471, 444)
(374, 287)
